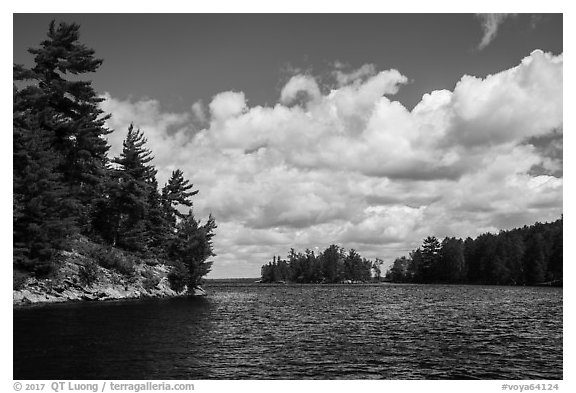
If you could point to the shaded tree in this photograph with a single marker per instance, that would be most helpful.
(430, 258)
(452, 263)
(42, 217)
(68, 112)
(535, 259)
(399, 272)
(415, 266)
(158, 231)
(555, 267)
(130, 186)
(192, 247)
(332, 263)
(176, 193)
(528, 255)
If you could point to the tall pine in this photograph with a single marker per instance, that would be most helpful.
(192, 248)
(67, 111)
(159, 232)
(134, 179)
(174, 194)
(41, 219)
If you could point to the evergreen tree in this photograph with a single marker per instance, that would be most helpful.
(192, 247)
(41, 220)
(556, 255)
(134, 178)
(415, 270)
(430, 258)
(157, 226)
(529, 255)
(176, 193)
(472, 261)
(68, 112)
(535, 259)
(514, 247)
(452, 263)
(332, 263)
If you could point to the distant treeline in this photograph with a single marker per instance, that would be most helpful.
(530, 255)
(333, 265)
(66, 185)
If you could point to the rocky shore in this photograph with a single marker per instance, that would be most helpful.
(67, 285)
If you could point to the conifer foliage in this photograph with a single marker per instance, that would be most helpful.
(133, 180)
(65, 184)
(176, 193)
(531, 255)
(41, 219)
(192, 247)
(333, 265)
(67, 109)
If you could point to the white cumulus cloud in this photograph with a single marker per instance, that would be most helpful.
(227, 104)
(355, 167)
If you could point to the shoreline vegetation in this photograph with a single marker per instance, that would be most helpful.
(90, 272)
(87, 226)
(531, 255)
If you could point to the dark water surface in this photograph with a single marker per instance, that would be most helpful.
(299, 332)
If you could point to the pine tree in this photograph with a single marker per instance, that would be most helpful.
(452, 263)
(68, 112)
(415, 270)
(192, 247)
(175, 193)
(157, 226)
(430, 258)
(332, 263)
(41, 220)
(556, 256)
(134, 178)
(535, 259)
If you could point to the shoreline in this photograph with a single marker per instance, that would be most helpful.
(66, 285)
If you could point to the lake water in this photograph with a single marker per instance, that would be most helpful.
(255, 331)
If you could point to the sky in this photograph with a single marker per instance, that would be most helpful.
(371, 131)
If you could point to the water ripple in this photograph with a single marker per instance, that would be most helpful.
(300, 332)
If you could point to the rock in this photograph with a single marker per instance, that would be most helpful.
(70, 295)
(55, 299)
(30, 297)
(198, 291)
(17, 296)
(66, 286)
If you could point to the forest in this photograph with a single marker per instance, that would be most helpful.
(333, 265)
(65, 186)
(531, 255)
